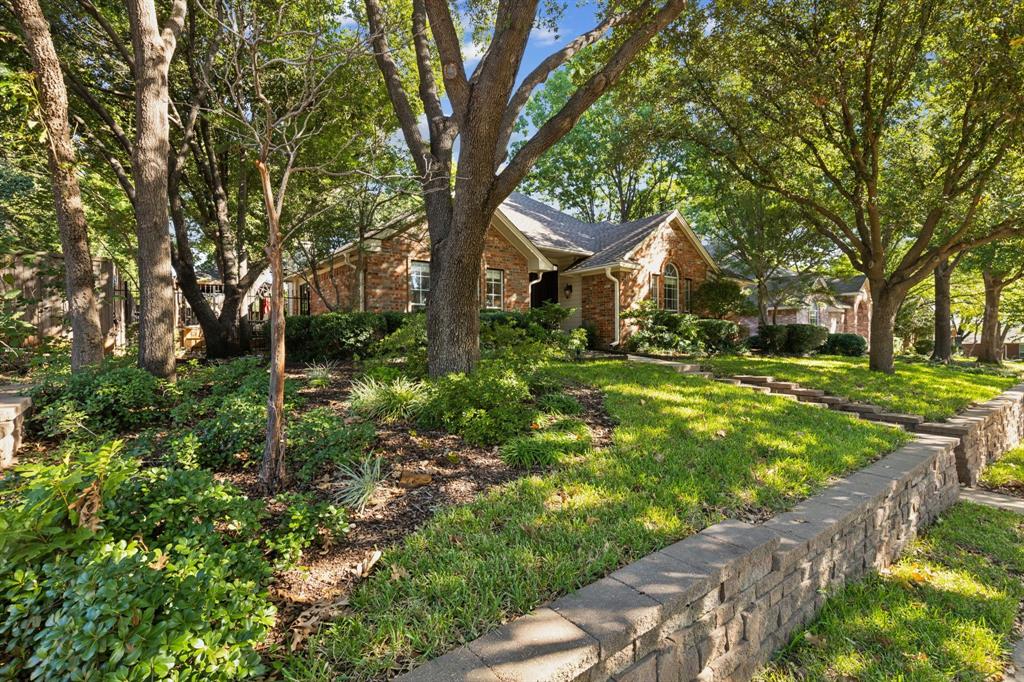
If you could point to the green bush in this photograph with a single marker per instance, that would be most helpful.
(924, 346)
(402, 352)
(804, 338)
(718, 336)
(391, 401)
(719, 297)
(662, 330)
(770, 339)
(109, 398)
(319, 439)
(303, 523)
(549, 445)
(486, 407)
(559, 403)
(154, 575)
(852, 345)
(334, 336)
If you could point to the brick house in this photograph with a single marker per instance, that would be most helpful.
(533, 254)
(840, 305)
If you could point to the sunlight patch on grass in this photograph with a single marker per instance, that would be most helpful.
(1006, 472)
(934, 391)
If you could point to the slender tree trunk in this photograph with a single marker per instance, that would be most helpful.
(762, 303)
(273, 473)
(79, 282)
(885, 303)
(153, 53)
(989, 348)
(943, 351)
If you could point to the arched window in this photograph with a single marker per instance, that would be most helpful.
(671, 284)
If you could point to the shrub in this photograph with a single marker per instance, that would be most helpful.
(237, 429)
(486, 407)
(318, 439)
(333, 336)
(771, 339)
(719, 297)
(549, 316)
(662, 330)
(319, 374)
(804, 338)
(852, 345)
(135, 579)
(358, 483)
(559, 403)
(718, 336)
(924, 346)
(403, 351)
(303, 523)
(388, 401)
(108, 398)
(548, 446)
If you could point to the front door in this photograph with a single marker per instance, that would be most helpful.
(546, 290)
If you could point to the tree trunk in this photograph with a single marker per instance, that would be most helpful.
(762, 303)
(79, 282)
(273, 473)
(885, 303)
(150, 170)
(989, 348)
(943, 351)
(453, 313)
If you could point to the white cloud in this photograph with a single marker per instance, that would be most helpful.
(544, 35)
(472, 52)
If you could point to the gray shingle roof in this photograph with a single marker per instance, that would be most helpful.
(604, 243)
(850, 285)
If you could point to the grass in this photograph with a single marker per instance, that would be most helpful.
(934, 391)
(687, 453)
(945, 611)
(1006, 472)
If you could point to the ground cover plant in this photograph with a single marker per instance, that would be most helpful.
(945, 611)
(686, 453)
(1006, 474)
(932, 390)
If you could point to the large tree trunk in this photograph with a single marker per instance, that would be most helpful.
(153, 53)
(943, 351)
(273, 472)
(885, 303)
(762, 303)
(453, 313)
(79, 282)
(989, 347)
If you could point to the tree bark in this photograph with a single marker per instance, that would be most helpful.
(943, 350)
(989, 347)
(885, 303)
(153, 51)
(79, 282)
(762, 303)
(273, 472)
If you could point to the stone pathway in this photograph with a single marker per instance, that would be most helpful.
(1015, 671)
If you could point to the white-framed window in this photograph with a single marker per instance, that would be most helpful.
(419, 284)
(656, 289)
(815, 316)
(495, 293)
(688, 294)
(671, 284)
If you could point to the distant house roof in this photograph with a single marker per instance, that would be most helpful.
(847, 286)
(837, 287)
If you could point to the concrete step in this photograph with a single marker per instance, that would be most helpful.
(910, 421)
(685, 368)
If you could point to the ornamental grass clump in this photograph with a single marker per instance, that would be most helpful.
(388, 401)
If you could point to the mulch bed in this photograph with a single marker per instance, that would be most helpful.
(457, 473)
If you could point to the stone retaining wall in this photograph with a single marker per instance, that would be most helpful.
(14, 408)
(717, 604)
(986, 431)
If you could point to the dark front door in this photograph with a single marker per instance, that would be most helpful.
(546, 290)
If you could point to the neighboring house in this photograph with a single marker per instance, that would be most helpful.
(1013, 344)
(839, 305)
(533, 254)
(40, 279)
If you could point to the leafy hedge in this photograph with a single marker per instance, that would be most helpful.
(852, 345)
(791, 339)
(664, 330)
(336, 336)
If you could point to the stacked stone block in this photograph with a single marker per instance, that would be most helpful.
(716, 605)
(14, 408)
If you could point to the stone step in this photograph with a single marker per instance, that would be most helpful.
(782, 386)
(729, 380)
(860, 408)
(808, 393)
(755, 387)
(753, 378)
(832, 401)
(685, 368)
(908, 420)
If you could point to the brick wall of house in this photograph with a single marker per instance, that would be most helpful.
(664, 246)
(387, 274)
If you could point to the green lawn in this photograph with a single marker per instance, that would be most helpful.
(687, 452)
(934, 391)
(1007, 472)
(945, 611)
